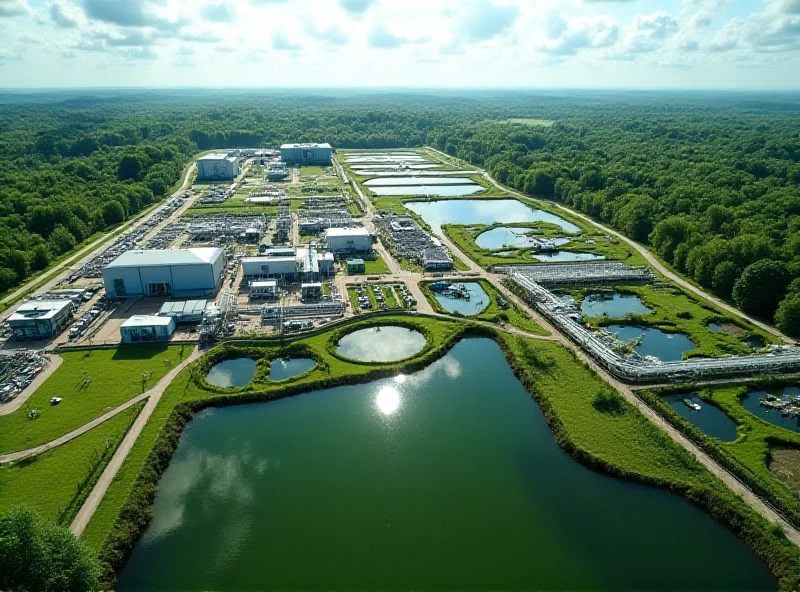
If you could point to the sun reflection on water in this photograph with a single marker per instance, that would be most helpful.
(388, 400)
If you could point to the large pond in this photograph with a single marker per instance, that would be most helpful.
(384, 182)
(446, 479)
(430, 190)
(232, 373)
(566, 257)
(381, 344)
(751, 402)
(511, 236)
(710, 419)
(612, 304)
(372, 167)
(422, 176)
(668, 347)
(284, 368)
(466, 298)
(483, 211)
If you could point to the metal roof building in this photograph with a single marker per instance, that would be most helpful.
(175, 272)
(142, 328)
(219, 166)
(348, 240)
(309, 154)
(39, 319)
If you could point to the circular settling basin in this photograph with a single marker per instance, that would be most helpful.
(668, 347)
(711, 420)
(381, 344)
(445, 479)
(284, 368)
(788, 397)
(612, 304)
(232, 373)
(466, 298)
(511, 236)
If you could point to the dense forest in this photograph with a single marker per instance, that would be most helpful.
(710, 180)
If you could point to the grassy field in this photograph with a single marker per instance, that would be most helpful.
(312, 171)
(116, 377)
(389, 298)
(676, 311)
(56, 482)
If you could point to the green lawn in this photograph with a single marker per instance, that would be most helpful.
(389, 297)
(116, 377)
(56, 482)
(375, 266)
(312, 171)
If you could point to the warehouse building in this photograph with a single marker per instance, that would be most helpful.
(349, 240)
(305, 264)
(175, 272)
(309, 154)
(40, 319)
(220, 166)
(141, 328)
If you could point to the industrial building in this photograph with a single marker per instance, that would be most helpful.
(348, 240)
(40, 319)
(184, 311)
(309, 154)
(218, 166)
(311, 292)
(176, 272)
(264, 289)
(305, 264)
(356, 266)
(141, 328)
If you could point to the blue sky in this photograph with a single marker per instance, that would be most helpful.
(747, 44)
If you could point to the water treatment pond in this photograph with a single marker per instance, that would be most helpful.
(774, 416)
(710, 419)
(613, 304)
(667, 347)
(567, 257)
(284, 368)
(482, 211)
(429, 190)
(452, 302)
(388, 181)
(381, 344)
(510, 236)
(446, 479)
(232, 373)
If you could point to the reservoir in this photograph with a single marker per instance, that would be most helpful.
(467, 300)
(381, 344)
(710, 420)
(482, 211)
(429, 190)
(511, 236)
(566, 257)
(773, 416)
(613, 304)
(384, 182)
(232, 373)
(284, 368)
(446, 479)
(667, 347)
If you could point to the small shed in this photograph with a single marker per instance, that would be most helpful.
(141, 328)
(311, 292)
(356, 266)
(266, 289)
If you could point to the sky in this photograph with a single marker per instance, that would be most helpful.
(697, 44)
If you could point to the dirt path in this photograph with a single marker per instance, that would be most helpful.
(112, 468)
(18, 401)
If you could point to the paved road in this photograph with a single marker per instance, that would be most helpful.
(112, 468)
(52, 365)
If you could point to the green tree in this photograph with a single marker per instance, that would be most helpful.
(725, 276)
(787, 317)
(129, 168)
(7, 278)
(38, 556)
(113, 213)
(61, 240)
(761, 287)
(16, 261)
(40, 258)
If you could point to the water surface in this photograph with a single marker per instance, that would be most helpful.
(667, 347)
(567, 257)
(381, 344)
(774, 416)
(478, 299)
(447, 479)
(482, 211)
(510, 236)
(396, 181)
(711, 420)
(284, 368)
(232, 373)
(613, 304)
(430, 190)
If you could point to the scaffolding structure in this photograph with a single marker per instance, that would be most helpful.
(580, 273)
(609, 352)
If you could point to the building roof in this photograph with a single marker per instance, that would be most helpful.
(311, 285)
(357, 231)
(181, 307)
(39, 309)
(355, 262)
(264, 284)
(290, 146)
(158, 257)
(217, 156)
(268, 260)
(147, 321)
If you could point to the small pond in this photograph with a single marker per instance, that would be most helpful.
(429, 190)
(566, 257)
(667, 347)
(710, 419)
(753, 341)
(284, 368)
(391, 181)
(751, 402)
(483, 211)
(381, 344)
(613, 304)
(468, 301)
(232, 373)
(510, 236)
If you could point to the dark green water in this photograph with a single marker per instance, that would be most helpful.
(668, 347)
(448, 479)
(232, 373)
(281, 369)
(711, 420)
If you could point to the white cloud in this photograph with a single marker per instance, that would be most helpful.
(219, 12)
(479, 20)
(10, 8)
(282, 43)
(567, 38)
(381, 38)
(65, 14)
(356, 6)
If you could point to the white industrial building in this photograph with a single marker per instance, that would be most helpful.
(142, 328)
(349, 240)
(309, 154)
(266, 289)
(39, 319)
(218, 166)
(305, 264)
(175, 272)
